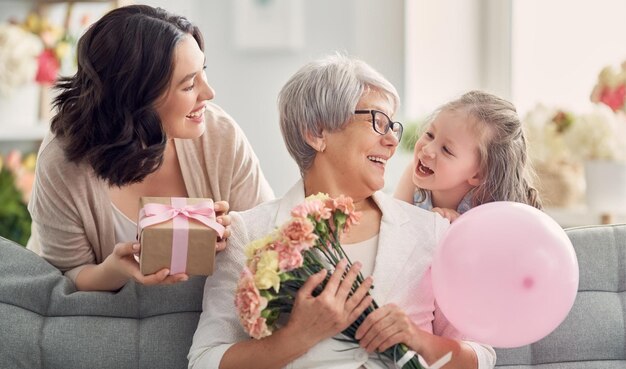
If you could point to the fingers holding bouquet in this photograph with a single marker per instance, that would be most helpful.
(385, 327)
(336, 307)
(286, 272)
(355, 302)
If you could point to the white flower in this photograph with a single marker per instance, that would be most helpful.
(19, 50)
(544, 127)
(598, 135)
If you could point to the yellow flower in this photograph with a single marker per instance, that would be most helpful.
(29, 162)
(33, 23)
(318, 196)
(61, 49)
(260, 243)
(266, 275)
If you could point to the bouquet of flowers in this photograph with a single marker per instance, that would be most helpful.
(32, 50)
(56, 42)
(280, 263)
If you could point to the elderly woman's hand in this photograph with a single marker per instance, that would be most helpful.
(316, 318)
(221, 212)
(387, 326)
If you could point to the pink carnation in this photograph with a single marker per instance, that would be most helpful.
(258, 328)
(289, 256)
(299, 233)
(315, 209)
(248, 301)
(13, 161)
(345, 205)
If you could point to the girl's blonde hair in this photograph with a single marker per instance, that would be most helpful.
(503, 157)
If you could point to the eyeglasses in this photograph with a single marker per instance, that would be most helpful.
(382, 123)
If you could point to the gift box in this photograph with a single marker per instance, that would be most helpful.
(177, 233)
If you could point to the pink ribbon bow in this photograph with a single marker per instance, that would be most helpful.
(180, 213)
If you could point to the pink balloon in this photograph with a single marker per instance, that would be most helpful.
(505, 274)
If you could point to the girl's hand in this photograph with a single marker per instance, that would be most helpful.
(449, 214)
(385, 327)
(315, 318)
(221, 212)
(121, 264)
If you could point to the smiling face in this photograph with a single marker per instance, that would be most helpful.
(355, 157)
(181, 108)
(447, 157)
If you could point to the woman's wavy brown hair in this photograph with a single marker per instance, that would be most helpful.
(106, 111)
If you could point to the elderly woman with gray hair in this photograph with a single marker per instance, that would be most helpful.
(335, 120)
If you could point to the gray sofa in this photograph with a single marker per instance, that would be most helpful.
(593, 336)
(46, 323)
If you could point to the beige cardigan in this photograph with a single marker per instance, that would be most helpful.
(71, 208)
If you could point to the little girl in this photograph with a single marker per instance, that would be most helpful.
(473, 151)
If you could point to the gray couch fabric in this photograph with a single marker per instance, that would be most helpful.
(593, 336)
(46, 323)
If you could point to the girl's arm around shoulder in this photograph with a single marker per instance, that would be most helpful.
(405, 188)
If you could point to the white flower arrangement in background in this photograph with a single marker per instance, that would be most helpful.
(557, 135)
(545, 128)
(599, 134)
(578, 155)
(19, 50)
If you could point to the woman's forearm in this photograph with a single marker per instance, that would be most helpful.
(99, 278)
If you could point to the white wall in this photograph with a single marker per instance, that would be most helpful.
(560, 46)
(444, 51)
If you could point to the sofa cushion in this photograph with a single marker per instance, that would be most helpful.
(46, 323)
(593, 335)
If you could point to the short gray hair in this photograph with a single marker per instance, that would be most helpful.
(323, 95)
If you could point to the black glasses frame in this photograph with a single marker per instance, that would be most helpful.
(397, 134)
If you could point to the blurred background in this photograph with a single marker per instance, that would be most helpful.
(559, 61)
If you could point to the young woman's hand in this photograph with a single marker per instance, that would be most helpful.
(123, 265)
(449, 214)
(221, 212)
(387, 326)
(315, 318)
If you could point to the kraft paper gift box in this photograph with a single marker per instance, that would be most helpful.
(177, 233)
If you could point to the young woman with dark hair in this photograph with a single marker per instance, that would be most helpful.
(134, 121)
